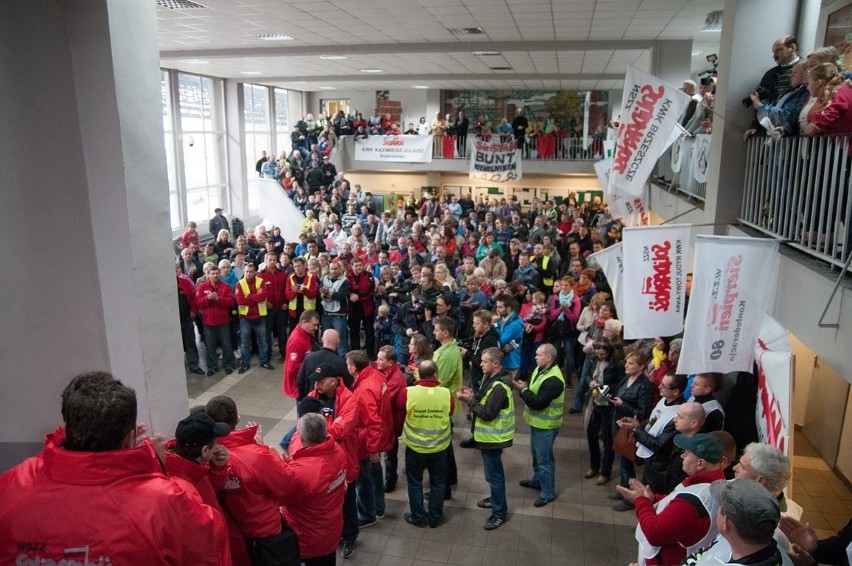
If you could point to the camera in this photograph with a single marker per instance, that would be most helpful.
(762, 94)
(604, 391)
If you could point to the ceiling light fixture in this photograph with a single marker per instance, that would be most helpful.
(326, 88)
(713, 21)
(420, 87)
(465, 31)
(274, 37)
(371, 71)
(501, 68)
(333, 57)
(178, 4)
(251, 73)
(196, 61)
(486, 53)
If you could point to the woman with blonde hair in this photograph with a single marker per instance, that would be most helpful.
(442, 276)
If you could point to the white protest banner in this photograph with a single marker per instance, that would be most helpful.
(677, 154)
(651, 110)
(774, 379)
(654, 284)
(611, 262)
(701, 157)
(587, 104)
(396, 149)
(633, 210)
(732, 283)
(495, 161)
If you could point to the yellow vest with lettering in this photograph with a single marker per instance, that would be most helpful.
(427, 419)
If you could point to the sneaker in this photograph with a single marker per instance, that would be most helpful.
(623, 506)
(347, 549)
(365, 524)
(493, 523)
(229, 371)
(541, 502)
(210, 372)
(267, 365)
(242, 370)
(529, 484)
(469, 443)
(484, 503)
(409, 518)
(380, 515)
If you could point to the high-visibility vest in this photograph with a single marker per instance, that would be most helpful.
(551, 416)
(427, 419)
(502, 428)
(309, 304)
(244, 309)
(547, 281)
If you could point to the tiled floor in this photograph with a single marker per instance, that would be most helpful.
(579, 528)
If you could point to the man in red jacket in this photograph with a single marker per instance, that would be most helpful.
(386, 363)
(252, 308)
(274, 283)
(215, 299)
(299, 345)
(375, 431)
(94, 482)
(361, 307)
(675, 525)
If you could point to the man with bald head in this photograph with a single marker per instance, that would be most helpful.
(326, 357)
(688, 421)
(544, 397)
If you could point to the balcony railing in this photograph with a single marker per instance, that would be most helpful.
(797, 189)
(681, 168)
(550, 148)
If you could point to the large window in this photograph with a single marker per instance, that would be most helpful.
(256, 111)
(282, 122)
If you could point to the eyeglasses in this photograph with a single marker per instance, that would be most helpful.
(664, 386)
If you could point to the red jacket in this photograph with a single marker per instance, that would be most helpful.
(299, 345)
(375, 419)
(365, 287)
(396, 384)
(678, 526)
(194, 476)
(313, 494)
(190, 237)
(310, 289)
(119, 502)
(257, 294)
(342, 428)
(187, 287)
(218, 312)
(273, 284)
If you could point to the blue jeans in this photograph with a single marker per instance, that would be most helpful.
(436, 464)
(258, 325)
(544, 464)
(276, 319)
(218, 336)
(492, 464)
(339, 323)
(370, 491)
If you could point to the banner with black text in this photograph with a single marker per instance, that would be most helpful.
(651, 110)
(654, 282)
(495, 162)
(611, 262)
(395, 149)
(733, 280)
(633, 210)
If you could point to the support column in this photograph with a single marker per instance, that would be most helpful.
(671, 61)
(749, 27)
(85, 214)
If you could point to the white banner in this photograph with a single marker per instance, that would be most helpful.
(633, 210)
(700, 157)
(655, 265)
(611, 262)
(774, 377)
(651, 110)
(677, 154)
(587, 104)
(732, 283)
(495, 161)
(405, 149)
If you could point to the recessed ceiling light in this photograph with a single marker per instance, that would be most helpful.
(465, 31)
(178, 4)
(421, 87)
(251, 73)
(333, 57)
(326, 88)
(197, 61)
(274, 37)
(300, 82)
(503, 68)
(486, 53)
(371, 71)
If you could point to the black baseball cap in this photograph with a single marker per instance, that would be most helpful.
(200, 429)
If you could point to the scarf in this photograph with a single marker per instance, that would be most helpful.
(581, 289)
(565, 299)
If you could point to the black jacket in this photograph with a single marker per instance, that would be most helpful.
(327, 359)
(496, 403)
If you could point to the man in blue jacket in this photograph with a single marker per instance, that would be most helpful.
(510, 327)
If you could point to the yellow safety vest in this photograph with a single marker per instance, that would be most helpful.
(551, 416)
(261, 307)
(309, 304)
(502, 428)
(548, 282)
(427, 419)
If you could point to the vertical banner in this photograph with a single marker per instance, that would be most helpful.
(611, 262)
(651, 110)
(733, 281)
(654, 283)
(700, 157)
(774, 377)
(587, 105)
(495, 161)
(633, 210)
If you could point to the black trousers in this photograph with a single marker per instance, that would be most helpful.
(350, 516)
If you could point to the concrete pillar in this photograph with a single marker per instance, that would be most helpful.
(90, 279)
(749, 28)
(671, 61)
(237, 198)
